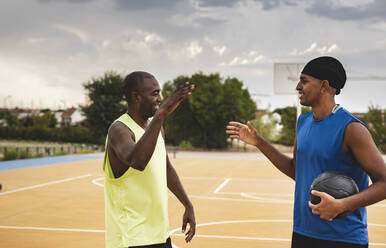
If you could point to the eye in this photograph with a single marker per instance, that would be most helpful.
(156, 93)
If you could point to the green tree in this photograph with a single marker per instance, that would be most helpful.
(106, 103)
(288, 123)
(376, 122)
(201, 119)
(11, 119)
(265, 123)
(46, 120)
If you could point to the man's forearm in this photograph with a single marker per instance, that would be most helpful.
(144, 149)
(175, 186)
(282, 162)
(373, 194)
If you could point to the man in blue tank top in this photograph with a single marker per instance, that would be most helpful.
(328, 139)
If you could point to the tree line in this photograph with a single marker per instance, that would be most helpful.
(199, 121)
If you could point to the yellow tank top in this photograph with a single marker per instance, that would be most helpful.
(136, 204)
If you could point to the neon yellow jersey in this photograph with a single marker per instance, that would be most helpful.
(136, 204)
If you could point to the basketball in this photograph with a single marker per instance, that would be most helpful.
(336, 184)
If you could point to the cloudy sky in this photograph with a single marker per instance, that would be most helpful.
(49, 48)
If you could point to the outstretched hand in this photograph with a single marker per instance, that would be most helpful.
(328, 208)
(189, 218)
(245, 133)
(172, 102)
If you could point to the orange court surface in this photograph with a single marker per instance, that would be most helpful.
(240, 201)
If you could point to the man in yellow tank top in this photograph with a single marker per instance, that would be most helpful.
(138, 171)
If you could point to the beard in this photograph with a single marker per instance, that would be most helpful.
(149, 112)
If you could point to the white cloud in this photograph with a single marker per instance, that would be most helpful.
(253, 53)
(235, 61)
(180, 20)
(245, 62)
(141, 41)
(210, 41)
(75, 31)
(240, 41)
(333, 48)
(252, 58)
(381, 44)
(381, 26)
(193, 49)
(105, 43)
(220, 50)
(259, 58)
(153, 39)
(315, 49)
(311, 48)
(35, 40)
(23, 77)
(351, 3)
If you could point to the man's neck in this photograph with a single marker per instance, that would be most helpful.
(323, 110)
(138, 118)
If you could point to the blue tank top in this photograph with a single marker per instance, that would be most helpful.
(320, 149)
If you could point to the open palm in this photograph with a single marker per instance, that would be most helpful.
(245, 133)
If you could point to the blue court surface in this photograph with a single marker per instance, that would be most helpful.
(31, 162)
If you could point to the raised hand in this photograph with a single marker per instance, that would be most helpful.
(172, 102)
(245, 133)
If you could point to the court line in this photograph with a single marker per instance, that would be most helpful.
(254, 238)
(235, 199)
(221, 186)
(58, 229)
(98, 179)
(266, 199)
(238, 179)
(172, 232)
(234, 237)
(254, 193)
(44, 184)
(212, 197)
(223, 178)
(379, 225)
(259, 200)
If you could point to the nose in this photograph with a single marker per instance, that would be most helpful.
(299, 86)
(159, 98)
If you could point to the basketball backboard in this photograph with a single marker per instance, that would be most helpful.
(285, 77)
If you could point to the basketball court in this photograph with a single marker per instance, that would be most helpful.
(240, 200)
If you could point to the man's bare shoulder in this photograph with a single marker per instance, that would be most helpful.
(355, 130)
(117, 129)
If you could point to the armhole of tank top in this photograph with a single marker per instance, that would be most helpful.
(352, 120)
(109, 171)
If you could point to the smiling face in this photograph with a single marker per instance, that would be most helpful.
(149, 94)
(309, 89)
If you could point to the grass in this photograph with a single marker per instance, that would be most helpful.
(12, 155)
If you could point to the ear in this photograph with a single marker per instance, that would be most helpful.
(135, 96)
(325, 86)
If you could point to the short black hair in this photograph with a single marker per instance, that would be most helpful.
(132, 81)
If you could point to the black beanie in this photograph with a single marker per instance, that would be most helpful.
(327, 68)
